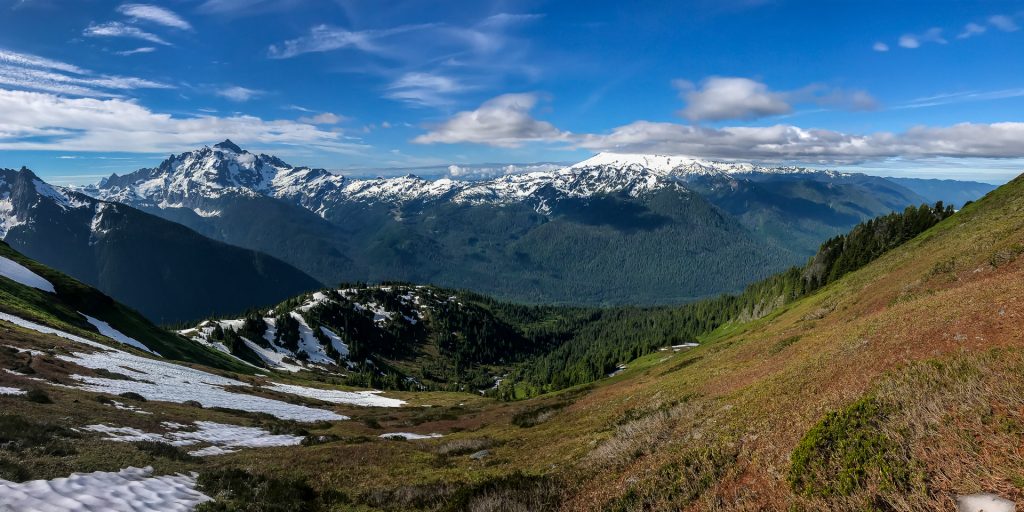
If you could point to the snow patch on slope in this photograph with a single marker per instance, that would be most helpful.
(361, 398)
(221, 437)
(108, 331)
(128, 490)
(160, 380)
(21, 274)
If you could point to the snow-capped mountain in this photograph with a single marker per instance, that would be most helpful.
(651, 228)
(196, 179)
(156, 266)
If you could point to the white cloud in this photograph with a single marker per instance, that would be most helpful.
(118, 29)
(424, 89)
(40, 121)
(721, 98)
(144, 49)
(155, 14)
(246, 7)
(932, 35)
(504, 121)
(456, 57)
(24, 71)
(970, 30)
(323, 118)
(238, 93)
(325, 38)
(793, 143)
(880, 47)
(475, 172)
(27, 60)
(1004, 23)
(961, 97)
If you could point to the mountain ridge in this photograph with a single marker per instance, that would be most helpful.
(131, 255)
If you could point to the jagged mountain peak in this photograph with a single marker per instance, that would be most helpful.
(193, 179)
(228, 145)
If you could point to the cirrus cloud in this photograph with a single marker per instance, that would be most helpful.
(154, 14)
(41, 121)
(118, 29)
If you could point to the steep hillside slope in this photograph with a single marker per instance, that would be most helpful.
(40, 294)
(163, 269)
(895, 388)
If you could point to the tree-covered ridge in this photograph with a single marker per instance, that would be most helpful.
(614, 336)
(401, 336)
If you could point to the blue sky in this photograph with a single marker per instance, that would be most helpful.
(931, 89)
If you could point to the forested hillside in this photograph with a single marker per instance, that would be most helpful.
(614, 336)
(401, 336)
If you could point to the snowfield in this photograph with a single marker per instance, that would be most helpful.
(409, 436)
(219, 436)
(169, 382)
(4, 390)
(20, 274)
(108, 331)
(128, 490)
(361, 398)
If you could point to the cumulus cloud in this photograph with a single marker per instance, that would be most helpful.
(118, 29)
(504, 121)
(722, 98)
(154, 14)
(40, 121)
(932, 35)
(238, 93)
(788, 143)
(880, 47)
(475, 172)
(322, 118)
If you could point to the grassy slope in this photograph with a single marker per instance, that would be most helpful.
(951, 296)
(74, 296)
(714, 428)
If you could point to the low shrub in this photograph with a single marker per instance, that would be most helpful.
(846, 451)
(239, 490)
(164, 450)
(38, 396)
(13, 471)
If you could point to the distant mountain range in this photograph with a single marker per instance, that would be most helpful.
(163, 269)
(953, 192)
(613, 229)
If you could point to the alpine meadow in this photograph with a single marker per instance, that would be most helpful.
(341, 255)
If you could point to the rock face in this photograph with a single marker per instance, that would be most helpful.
(985, 502)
